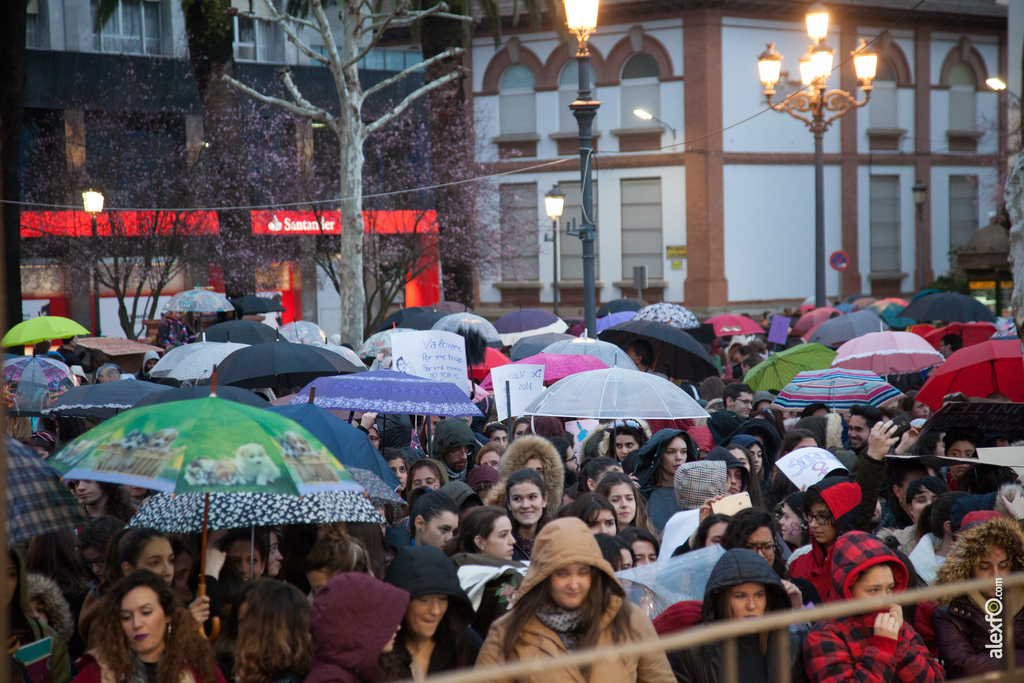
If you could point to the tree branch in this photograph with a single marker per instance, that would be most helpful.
(324, 26)
(316, 114)
(283, 19)
(412, 97)
(378, 32)
(293, 90)
(440, 57)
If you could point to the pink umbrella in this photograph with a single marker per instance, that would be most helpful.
(809, 321)
(887, 353)
(556, 366)
(727, 325)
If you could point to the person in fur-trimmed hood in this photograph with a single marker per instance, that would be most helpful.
(989, 550)
(518, 456)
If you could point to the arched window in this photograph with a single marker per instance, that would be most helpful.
(883, 109)
(517, 100)
(962, 93)
(640, 89)
(568, 88)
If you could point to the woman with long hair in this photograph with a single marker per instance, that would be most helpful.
(571, 601)
(595, 511)
(630, 506)
(145, 635)
(273, 642)
(55, 556)
(527, 503)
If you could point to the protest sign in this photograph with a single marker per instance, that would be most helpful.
(779, 329)
(518, 382)
(434, 354)
(807, 466)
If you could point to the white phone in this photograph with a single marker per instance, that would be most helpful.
(730, 505)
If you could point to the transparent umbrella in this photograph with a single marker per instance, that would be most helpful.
(657, 586)
(194, 361)
(611, 354)
(461, 323)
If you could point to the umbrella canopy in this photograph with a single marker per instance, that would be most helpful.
(205, 445)
(949, 307)
(676, 353)
(889, 310)
(727, 325)
(779, 369)
(196, 361)
(971, 333)
(464, 323)
(183, 514)
(811, 319)
(198, 301)
(31, 383)
(343, 351)
(377, 344)
(556, 367)
(613, 319)
(348, 444)
(619, 305)
(423, 319)
(280, 364)
(374, 487)
(249, 305)
(43, 328)
(979, 370)
(389, 391)
(102, 401)
(37, 502)
(241, 332)
(395, 318)
(845, 307)
(615, 393)
(493, 358)
(837, 331)
(527, 322)
(243, 396)
(838, 389)
(887, 353)
(528, 346)
(303, 332)
(862, 301)
(608, 353)
(1007, 330)
(670, 314)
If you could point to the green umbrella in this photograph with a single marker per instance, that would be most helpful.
(43, 328)
(779, 369)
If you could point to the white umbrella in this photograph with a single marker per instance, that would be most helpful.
(615, 393)
(611, 354)
(193, 361)
(343, 351)
(461, 323)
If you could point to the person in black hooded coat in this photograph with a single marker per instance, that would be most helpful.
(654, 479)
(431, 580)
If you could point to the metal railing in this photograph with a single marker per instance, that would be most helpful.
(727, 632)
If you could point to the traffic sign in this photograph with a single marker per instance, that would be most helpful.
(839, 260)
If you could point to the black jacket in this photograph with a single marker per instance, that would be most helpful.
(645, 462)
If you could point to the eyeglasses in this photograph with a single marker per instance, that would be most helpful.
(99, 563)
(821, 520)
(460, 450)
(764, 548)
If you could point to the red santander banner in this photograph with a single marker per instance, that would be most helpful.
(118, 223)
(329, 222)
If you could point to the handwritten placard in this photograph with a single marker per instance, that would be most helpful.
(808, 466)
(524, 382)
(779, 329)
(434, 354)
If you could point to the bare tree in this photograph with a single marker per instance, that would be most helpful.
(363, 23)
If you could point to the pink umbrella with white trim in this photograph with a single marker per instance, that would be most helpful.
(727, 325)
(887, 353)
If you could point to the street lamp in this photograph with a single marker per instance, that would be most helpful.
(920, 191)
(816, 100)
(93, 202)
(648, 116)
(581, 18)
(554, 202)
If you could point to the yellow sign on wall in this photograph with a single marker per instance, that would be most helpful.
(678, 251)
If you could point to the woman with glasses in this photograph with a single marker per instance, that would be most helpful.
(754, 530)
(832, 507)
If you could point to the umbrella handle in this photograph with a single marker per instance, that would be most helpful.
(214, 621)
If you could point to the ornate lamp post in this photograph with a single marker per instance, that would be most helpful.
(920, 191)
(93, 202)
(554, 202)
(812, 105)
(581, 17)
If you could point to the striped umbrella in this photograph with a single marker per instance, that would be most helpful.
(1007, 330)
(838, 389)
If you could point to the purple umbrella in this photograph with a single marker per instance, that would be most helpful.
(614, 319)
(388, 391)
(526, 323)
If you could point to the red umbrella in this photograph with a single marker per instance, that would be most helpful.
(810, 320)
(979, 370)
(492, 359)
(727, 325)
(972, 333)
(556, 366)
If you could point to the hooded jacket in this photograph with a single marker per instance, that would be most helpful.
(842, 496)
(764, 432)
(460, 492)
(644, 463)
(142, 374)
(846, 649)
(347, 645)
(450, 433)
(515, 458)
(31, 630)
(559, 544)
(723, 423)
(961, 629)
(735, 567)
(721, 454)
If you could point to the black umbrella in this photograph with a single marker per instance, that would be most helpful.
(249, 305)
(187, 393)
(241, 332)
(949, 307)
(102, 400)
(281, 364)
(619, 305)
(531, 346)
(676, 353)
(422, 320)
(396, 318)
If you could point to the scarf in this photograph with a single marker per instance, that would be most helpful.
(455, 476)
(564, 622)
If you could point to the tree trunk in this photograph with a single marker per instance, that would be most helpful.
(1014, 198)
(13, 18)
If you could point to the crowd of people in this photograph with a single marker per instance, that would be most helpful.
(510, 543)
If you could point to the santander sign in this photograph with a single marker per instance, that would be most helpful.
(296, 222)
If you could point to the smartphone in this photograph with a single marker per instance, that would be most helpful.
(730, 505)
(902, 423)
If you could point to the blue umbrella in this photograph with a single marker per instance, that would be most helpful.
(347, 443)
(614, 319)
(389, 392)
(531, 346)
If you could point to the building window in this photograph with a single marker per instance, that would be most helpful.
(885, 223)
(570, 266)
(962, 91)
(37, 30)
(640, 90)
(568, 89)
(517, 100)
(883, 108)
(641, 227)
(963, 212)
(257, 40)
(133, 28)
(519, 232)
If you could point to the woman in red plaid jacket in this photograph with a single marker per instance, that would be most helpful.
(874, 647)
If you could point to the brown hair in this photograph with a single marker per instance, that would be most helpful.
(337, 552)
(478, 522)
(275, 640)
(641, 519)
(184, 649)
(485, 449)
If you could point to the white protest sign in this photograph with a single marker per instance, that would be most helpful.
(434, 354)
(524, 383)
(678, 530)
(808, 466)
